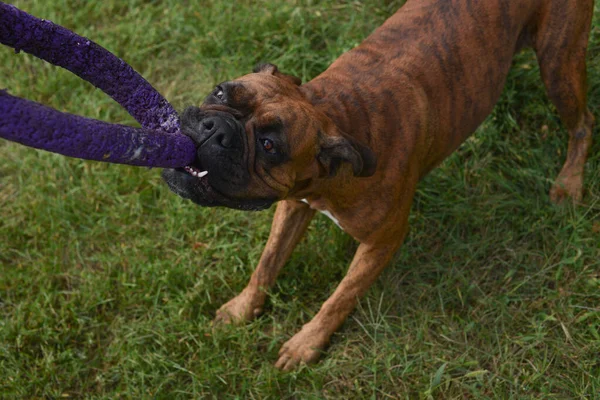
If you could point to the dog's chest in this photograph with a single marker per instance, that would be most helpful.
(324, 211)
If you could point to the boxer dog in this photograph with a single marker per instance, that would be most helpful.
(354, 142)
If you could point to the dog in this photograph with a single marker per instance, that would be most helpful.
(354, 142)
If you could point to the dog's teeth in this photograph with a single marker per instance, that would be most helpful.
(195, 172)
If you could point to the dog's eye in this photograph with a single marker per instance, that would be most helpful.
(218, 93)
(268, 145)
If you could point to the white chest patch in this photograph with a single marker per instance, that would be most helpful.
(328, 214)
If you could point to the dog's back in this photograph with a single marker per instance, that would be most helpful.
(455, 55)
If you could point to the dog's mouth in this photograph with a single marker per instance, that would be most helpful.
(195, 171)
(192, 182)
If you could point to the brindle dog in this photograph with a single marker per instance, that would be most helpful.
(355, 141)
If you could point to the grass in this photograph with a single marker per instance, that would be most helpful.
(109, 282)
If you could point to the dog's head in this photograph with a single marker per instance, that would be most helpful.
(259, 140)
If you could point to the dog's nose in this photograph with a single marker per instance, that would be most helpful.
(201, 130)
(219, 131)
(208, 125)
(225, 139)
(215, 130)
(219, 128)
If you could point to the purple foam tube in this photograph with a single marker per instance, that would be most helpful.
(89, 61)
(42, 127)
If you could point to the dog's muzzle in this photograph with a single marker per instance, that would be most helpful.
(221, 144)
(220, 174)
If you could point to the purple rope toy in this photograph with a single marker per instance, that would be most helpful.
(159, 143)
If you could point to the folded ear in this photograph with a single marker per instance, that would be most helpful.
(338, 149)
(272, 69)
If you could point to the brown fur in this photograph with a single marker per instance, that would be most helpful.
(411, 93)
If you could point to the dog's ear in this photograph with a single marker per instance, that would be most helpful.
(342, 148)
(272, 69)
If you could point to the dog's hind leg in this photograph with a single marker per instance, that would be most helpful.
(560, 43)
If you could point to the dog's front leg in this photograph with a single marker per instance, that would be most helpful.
(306, 345)
(289, 224)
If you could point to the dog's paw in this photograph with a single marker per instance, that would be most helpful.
(565, 188)
(305, 346)
(242, 308)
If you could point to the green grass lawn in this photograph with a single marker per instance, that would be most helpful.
(109, 282)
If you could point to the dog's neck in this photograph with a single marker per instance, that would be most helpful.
(337, 100)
